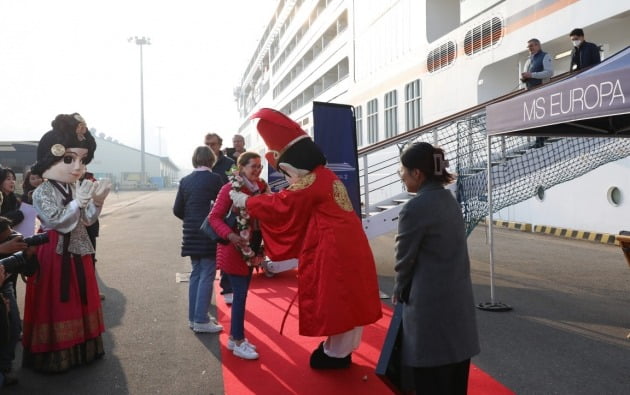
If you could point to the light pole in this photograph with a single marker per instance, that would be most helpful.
(140, 41)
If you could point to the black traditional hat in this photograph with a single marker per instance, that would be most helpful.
(52, 146)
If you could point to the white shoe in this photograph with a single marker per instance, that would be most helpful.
(245, 351)
(209, 327)
(228, 298)
(212, 319)
(231, 344)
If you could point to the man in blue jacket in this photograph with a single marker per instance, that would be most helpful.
(584, 54)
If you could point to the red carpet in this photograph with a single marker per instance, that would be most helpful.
(283, 367)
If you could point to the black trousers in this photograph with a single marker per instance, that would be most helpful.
(449, 379)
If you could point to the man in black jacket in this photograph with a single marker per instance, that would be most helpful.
(584, 54)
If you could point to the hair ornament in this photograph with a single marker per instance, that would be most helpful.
(57, 150)
(439, 164)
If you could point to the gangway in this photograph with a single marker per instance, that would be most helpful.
(519, 171)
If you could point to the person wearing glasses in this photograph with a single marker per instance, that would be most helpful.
(232, 258)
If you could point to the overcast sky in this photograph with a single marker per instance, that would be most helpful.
(67, 56)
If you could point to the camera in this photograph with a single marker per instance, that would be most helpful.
(18, 262)
(36, 240)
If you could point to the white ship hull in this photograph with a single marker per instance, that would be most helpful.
(380, 47)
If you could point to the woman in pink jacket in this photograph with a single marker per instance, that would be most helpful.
(231, 257)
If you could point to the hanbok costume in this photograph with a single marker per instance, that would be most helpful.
(313, 220)
(63, 319)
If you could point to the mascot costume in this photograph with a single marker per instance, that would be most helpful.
(313, 220)
(63, 319)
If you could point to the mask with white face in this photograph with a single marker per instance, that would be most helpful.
(576, 43)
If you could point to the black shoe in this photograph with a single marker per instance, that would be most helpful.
(9, 378)
(319, 360)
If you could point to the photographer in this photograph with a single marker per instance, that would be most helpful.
(15, 257)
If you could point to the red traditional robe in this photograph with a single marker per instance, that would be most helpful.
(313, 220)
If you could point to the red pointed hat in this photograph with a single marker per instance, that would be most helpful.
(278, 131)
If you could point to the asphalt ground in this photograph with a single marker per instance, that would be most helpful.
(566, 333)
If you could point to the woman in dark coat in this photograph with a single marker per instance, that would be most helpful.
(192, 205)
(433, 277)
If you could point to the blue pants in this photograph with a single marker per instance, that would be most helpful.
(200, 288)
(240, 285)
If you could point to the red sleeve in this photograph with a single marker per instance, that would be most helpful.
(219, 210)
(282, 225)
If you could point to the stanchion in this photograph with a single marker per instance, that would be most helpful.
(492, 305)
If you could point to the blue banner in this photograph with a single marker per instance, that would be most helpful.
(275, 179)
(335, 133)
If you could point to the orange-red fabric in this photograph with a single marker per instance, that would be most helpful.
(52, 325)
(278, 131)
(338, 288)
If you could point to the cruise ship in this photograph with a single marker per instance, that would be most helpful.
(408, 65)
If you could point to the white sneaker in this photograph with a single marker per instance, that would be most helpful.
(231, 344)
(245, 351)
(228, 298)
(209, 327)
(191, 324)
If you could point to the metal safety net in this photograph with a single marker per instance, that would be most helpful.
(519, 171)
(519, 168)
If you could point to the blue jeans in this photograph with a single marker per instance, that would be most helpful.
(240, 285)
(200, 288)
(7, 351)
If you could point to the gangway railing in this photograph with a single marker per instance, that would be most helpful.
(519, 171)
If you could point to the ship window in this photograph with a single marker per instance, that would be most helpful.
(319, 45)
(483, 36)
(358, 117)
(614, 196)
(540, 193)
(413, 98)
(327, 80)
(372, 121)
(441, 57)
(391, 114)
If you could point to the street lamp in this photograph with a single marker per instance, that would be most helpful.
(140, 41)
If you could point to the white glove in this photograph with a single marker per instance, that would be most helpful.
(238, 198)
(101, 190)
(83, 192)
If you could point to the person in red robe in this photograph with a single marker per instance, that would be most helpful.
(313, 220)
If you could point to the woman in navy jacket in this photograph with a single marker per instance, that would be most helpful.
(192, 205)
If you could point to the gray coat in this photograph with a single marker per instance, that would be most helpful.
(433, 269)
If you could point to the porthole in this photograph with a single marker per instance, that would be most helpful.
(540, 193)
(614, 196)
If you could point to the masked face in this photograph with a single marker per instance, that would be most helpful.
(576, 41)
(70, 168)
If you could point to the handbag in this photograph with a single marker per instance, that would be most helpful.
(390, 369)
(208, 230)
